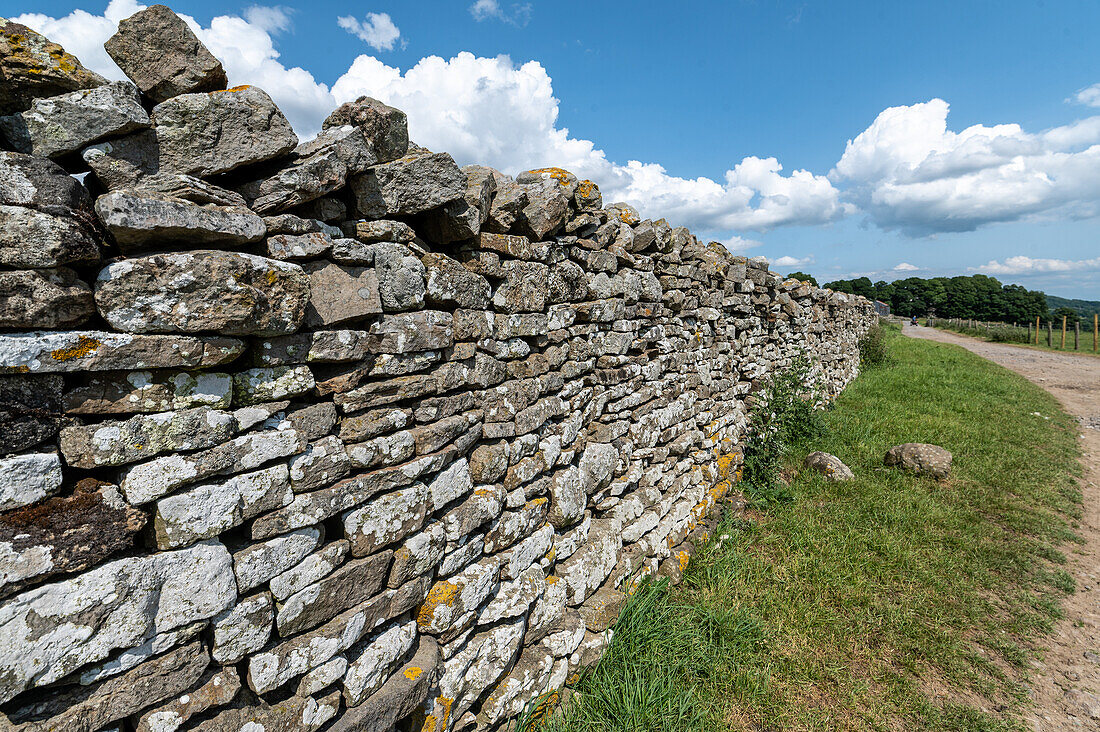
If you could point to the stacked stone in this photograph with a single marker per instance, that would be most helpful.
(340, 435)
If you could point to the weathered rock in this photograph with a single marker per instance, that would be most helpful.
(258, 563)
(829, 465)
(207, 510)
(160, 54)
(479, 664)
(315, 168)
(524, 287)
(226, 292)
(296, 714)
(76, 351)
(43, 185)
(450, 599)
(244, 628)
(301, 246)
(27, 479)
(90, 710)
(507, 205)
(124, 162)
(156, 478)
(385, 128)
(546, 209)
(382, 230)
(563, 178)
(57, 126)
(408, 332)
(461, 219)
(207, 134)
(310, 570)
(400, 277)
(148, 391)
(413, 184)
(44, 298)
(30, 411)
(386, 519)
(347, 586)
(374, 662)
(66, 534)
(322, 463)
(30, 238)
(590, 565)
(451, 284)
(405, 690)
(341, 294)
(587, 196)
(418, 555)
(144, 436)
(256, 386)
(32, 67)
(140, 219)
(117, 605)
(920, 459)
(218, 689)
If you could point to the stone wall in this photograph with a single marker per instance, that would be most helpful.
(337, 434)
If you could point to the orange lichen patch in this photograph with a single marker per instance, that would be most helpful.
(21, 369)
(84, 346)
(242, 87)
(539, 501)
(271, 277)
(550, 555)
(553, 579)
(561, 175)
(413, 673)
(684, 559)
(540, 713)
(442, 593)
(725, 462)
(586, 188)
(441, 712)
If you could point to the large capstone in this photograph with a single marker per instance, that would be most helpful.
(385, 128)
(188, 292)
(413, 184)
(207, 134)
(142, 219)
(32, 66)
(164, 57)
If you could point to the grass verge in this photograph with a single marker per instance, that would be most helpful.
(885, 603)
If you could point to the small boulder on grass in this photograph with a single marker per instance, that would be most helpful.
(830, 466)
(920, 459)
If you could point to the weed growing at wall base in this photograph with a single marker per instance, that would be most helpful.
(886, 602)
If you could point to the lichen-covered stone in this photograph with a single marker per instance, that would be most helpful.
(311, 570)
(144, 436)
(162, 55)
(190, 292)
(140, 219)
(27, 479)
(57, 126)
(374, 662)
(218, 689)
(32, 67)
(258, 563)
(243, 629)
(44, 298)
(117, 605)
(920, 459)
(148, 391)
(216, 132)
(341, 294)
(385, 128)
(413, 184)
(77, 351)
(829, 465)
(30, 410)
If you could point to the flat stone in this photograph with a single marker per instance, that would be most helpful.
(244, 628)
(322, 677)
(386, 519)
(341, 294)
(297, 247)
(347, 586)
(27, 479)
(205, 511)
(144, 436)
(148, 391)
(30, 238)
(124, 162)
(30, 410)
(227, 292)
(568, 497)
(270, 384)
(151, 682)
(450, 599)
(507, 205)
(296, 714)
(401, 282)
(50, 631)
(829, 465)
(218, 689)
(148, 481)
(385, 128)
(57, 126)
(418, 555)
(322, 346)
(322, 463)
(452, 285)
(66, 534)
(479, 663)
(409, 185)
(163, 56)
(77, 351)
(314, 169)
(374, 423)
(257, 563)
(216, 132)
(44, 298)
(311, 570)
(589, 566)
(369, 232)
(376, 660)
(141, 220)
(32, 67)
(398, 697)
(423, 330)
(545, 212)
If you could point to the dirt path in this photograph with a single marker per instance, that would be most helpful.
(1066, 683)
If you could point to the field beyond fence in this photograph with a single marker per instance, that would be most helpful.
(1060, 335)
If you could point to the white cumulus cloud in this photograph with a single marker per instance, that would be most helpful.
(789, 261)
(907, 171)
(905, 267)
(377, 30)
(518, 14)
(1027, 265)
(1089, 96)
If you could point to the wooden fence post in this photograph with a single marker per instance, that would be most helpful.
(1063, 346)
(1029, 331)
(1050, 334)
(1095, 331)
(1036, 330)
(1077, 335)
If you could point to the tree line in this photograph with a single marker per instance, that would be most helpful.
(980, 297)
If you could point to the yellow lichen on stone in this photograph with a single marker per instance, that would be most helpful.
(242, 87)
(442, 593)
(553, 579)
(561, 175)
(413, 673)
(684, 559)
(84, 346)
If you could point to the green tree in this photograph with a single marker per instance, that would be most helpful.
(804, 277)
(1072, 317)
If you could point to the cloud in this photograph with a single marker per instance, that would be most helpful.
(905, 267)
(519, 14)
(907, 171)
(789, 261)
(1089, 96)
(270, 19)
(1026, 265)
(377, 30)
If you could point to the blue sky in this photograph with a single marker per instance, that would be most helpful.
(703, 95)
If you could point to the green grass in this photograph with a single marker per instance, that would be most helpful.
(889, 602)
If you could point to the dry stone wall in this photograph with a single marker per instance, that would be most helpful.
(337, 434)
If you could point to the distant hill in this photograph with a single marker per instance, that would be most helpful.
(1084, 308)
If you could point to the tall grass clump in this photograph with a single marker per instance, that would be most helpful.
(872, 348)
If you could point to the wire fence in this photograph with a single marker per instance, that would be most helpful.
(1057, 334)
